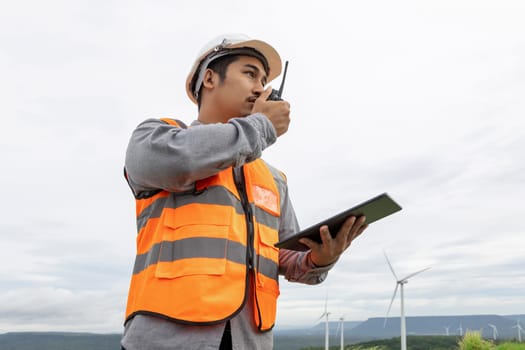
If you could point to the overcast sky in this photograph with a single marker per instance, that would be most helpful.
(420, 99)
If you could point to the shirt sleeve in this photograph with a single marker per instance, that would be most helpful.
(296, 266)
(162, 156)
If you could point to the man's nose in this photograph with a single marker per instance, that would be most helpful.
(258, 88)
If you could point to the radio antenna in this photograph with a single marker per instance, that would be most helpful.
(282, 81)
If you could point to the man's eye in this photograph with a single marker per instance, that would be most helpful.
(250, 74)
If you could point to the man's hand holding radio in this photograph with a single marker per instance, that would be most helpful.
(278, 112)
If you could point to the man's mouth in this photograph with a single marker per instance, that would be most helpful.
(252, 99)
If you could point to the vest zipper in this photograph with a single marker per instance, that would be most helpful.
(240, 183)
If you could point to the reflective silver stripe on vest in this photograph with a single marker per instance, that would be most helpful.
(151, 211)
(265, 218)
(202, 247)
(212, 195)
(196, 247)
(267, 268)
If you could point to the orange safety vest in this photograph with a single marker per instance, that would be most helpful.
(196, 249)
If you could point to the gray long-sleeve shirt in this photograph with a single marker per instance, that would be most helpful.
(161, 156)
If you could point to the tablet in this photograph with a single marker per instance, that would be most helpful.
(374, 209)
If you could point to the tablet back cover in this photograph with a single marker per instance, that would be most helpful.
(374, 209)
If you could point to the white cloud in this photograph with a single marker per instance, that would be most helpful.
(57, 309)
(422, 100)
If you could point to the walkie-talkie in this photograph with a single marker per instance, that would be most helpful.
(276, 94)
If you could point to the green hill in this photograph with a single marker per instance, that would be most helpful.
(413, 343)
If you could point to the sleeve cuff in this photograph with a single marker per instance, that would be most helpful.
(265, 129)
(313, 267)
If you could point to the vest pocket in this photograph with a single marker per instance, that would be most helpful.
(202, 250)
(267, 301)
(267, 260)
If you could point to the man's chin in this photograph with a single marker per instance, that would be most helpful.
(246, 112)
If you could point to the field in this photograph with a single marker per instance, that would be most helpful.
(471, 341)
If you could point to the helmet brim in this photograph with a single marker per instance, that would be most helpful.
(272, 57)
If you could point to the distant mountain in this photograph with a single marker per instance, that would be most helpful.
(355, 331)
(333, 327)
(289, 339)
(436, 325)
(59, 341)
(516, 318)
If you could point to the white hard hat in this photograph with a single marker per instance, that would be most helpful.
(231, 44)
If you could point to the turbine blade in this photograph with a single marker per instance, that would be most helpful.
(390, 306)
(415, 273)
(390, 265)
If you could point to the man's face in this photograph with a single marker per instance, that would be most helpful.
(244, 82)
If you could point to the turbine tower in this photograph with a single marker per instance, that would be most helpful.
(400, 283)
(325, 315)
(520, 330)
(341, 326)
(446, 330)
(494, 331)
(460, 329)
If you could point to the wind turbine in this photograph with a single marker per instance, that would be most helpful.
(341, 326)
(460, 329)
(446, 330)
(401, 282)
(520, 330)
(325, 315)
(494, 331)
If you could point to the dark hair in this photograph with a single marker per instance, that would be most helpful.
(219, 66)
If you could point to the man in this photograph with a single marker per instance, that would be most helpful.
(209, 212)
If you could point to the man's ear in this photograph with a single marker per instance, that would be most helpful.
(210, 79)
